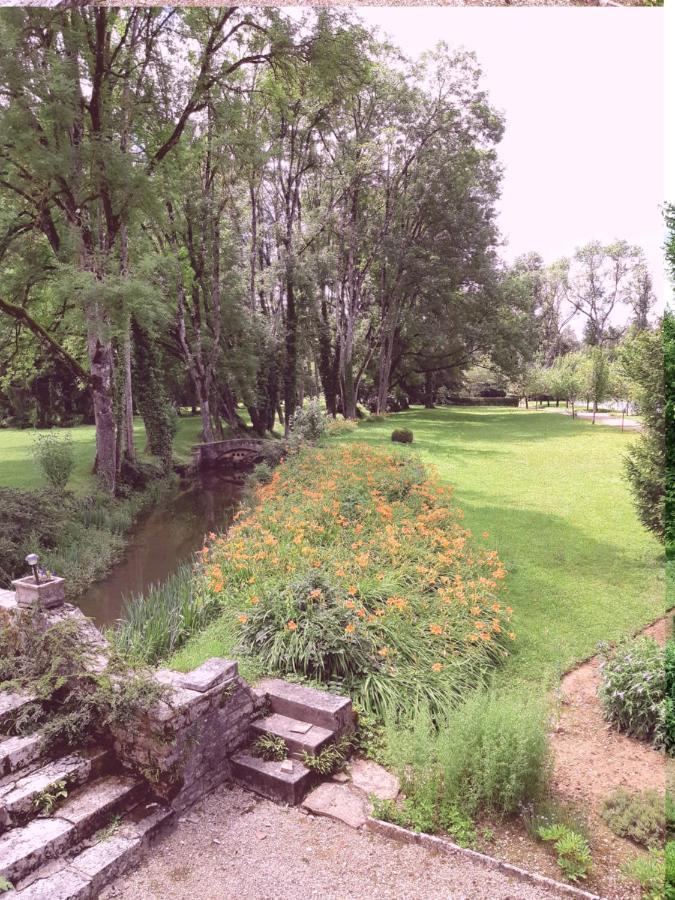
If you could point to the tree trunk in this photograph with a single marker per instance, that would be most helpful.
(429, 390)
(99, 350)
(290, 374)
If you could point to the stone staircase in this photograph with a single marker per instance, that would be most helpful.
(95, 832)
(307, 721)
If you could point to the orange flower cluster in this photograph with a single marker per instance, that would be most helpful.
(408, 577)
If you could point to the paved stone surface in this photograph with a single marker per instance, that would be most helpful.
(64, 885)
(212, 672)
(298, 736)
(339, 801)
(23, 849)
(10, 703)
(307, 704)
(89, 807)
(216, 856)
(373, 779)
(18, 752)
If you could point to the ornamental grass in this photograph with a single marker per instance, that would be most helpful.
(352, 567)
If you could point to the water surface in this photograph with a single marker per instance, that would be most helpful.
(163, 539)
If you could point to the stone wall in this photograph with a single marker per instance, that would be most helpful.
(183, 745)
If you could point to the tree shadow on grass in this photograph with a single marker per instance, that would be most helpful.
(569, 589)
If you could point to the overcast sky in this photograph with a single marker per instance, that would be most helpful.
(582, 93)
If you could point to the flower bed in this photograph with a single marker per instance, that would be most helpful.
(352, 567)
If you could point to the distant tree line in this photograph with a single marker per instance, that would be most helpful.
(217, 207)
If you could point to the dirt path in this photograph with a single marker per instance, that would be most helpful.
(233, 845)
(592, 760)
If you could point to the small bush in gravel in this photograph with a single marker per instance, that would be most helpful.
(641, 817)
(402, 436)
(650, 873)
(632, 690)
(572, 850)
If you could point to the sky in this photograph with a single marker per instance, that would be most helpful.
(582, 95)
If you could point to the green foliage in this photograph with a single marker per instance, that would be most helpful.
(425, 817)
(74, 704)
(331, 759)
(491, 754)
(47, 800)
(669, 423)
(261, 474)
(155, 624)
(632, 689)
(269, 747)
(637, 816)
(309, 421)
(29, 521)
(669, 659)
(55, 457)
(572, 849)
(5, 885)
(642, 362)
(318, 646)
(650, 872)
(151, 397)
(402, 436)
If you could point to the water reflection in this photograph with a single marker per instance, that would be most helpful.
(165, 537)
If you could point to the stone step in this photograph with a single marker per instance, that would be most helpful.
(26, 848)
(20, 797)
(286, 782)
(19, 752)
(12, 703)
(83, 874)
(300, 737)
(297, 701)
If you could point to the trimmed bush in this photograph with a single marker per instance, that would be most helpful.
(402, 436)
(352, 567)
(632, 690)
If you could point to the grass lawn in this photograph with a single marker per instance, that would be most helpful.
(18, 469)
(551, 493)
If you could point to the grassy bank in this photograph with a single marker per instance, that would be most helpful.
(550, 493)
(18, 470)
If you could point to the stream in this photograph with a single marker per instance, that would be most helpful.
(161, 540)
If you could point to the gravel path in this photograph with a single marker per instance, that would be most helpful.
(235, 845)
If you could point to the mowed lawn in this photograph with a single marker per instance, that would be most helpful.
(19, 470)
(551, 493)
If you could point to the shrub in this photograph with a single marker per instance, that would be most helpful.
(670, 697)
(351, 567)
(572, 849)
(402, 436)
(491, 754)
(331, 758)
(336, 427)
(56, 458)
(29, 521)
(408, 814)
(260, 474)
(639, 817)
(632, 690)
(309, 422)
(74, 704)
(650, 873)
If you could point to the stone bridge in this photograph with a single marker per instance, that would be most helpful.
(236, 453)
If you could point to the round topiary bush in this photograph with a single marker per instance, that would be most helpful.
(402, 436)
